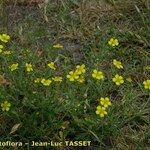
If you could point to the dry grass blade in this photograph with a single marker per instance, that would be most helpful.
(15, 128)
(24, 2)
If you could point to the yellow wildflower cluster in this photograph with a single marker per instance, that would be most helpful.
(147, 84)
(7, 52)
(72, 76)
(29, 67)
(102, 107)
(57, 79)
(4, 38)
(13, 67)
(37, 80)
(46, 82)
(1, 47)
(78, 74)
(51, 65)
(5, 106)
(80, 69)
(113, 42)
(97, 74)
(58, 46)
(118, 79)
(117, 64)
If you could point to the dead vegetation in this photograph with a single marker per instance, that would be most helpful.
(23, 2)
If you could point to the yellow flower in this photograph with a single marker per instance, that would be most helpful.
(46, 82)
(81, 79)
(57, 79)
(7, 52)
(37, 80)
(13, 67)
(118, 79)
(105, 102)
(97, 74)
(51, 65)
(113, 42)
(4, 38)
(146, 67)
(80, 69)
(28, 67)
(58, 46)
(118, 64)
(147, 84)
(101, 111)
(1, 46)
(5, 106)
(72, 76)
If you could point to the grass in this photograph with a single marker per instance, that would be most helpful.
(66, 110)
